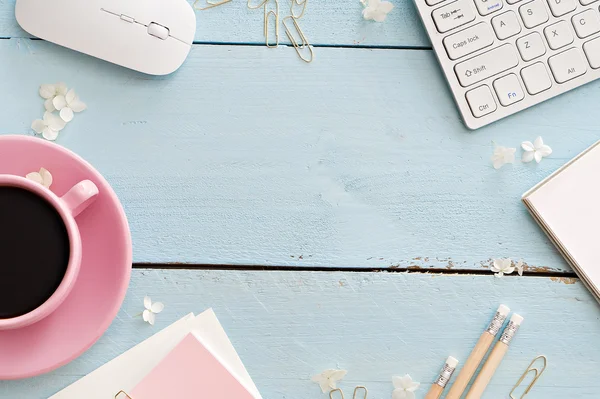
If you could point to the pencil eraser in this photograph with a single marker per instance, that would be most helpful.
(452, 362)
(516, 319)
(504, 310)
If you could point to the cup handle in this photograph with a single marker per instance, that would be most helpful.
(80, 196)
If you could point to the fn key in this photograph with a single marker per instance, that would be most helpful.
(481, 101)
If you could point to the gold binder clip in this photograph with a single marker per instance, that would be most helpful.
(259, 5)
(117, 396)
(275, 14)
(299, 3)
(358, 388)
(537, 373)
(303, 39)
(336, 390)
(210, 4)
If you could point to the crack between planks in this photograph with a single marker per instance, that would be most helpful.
(263, 268)
(252, 44)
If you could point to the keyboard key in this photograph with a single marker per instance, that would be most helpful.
(586, 23)
(506, 25)
(533, 13)
(486, 7)
(562, 7)
(512, 1)
(536, 78)
(487, 64)
(586, 2)
(481, 101)
(567, 65)
(469, 40)
(558, 35)
(433, 2)
(592, 52)
(531, 46)
(453, 15)
(508, 89)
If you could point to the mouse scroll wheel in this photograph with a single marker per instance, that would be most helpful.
(157, 30)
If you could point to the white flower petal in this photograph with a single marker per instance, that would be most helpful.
(322, 381)
(527, 146)
(386, 6)
(70, 96)
(413, 386)
(47, 91)
(34, 176)
(54, 122)
(397, 382)
(49, 106)
(400, 394)
(66, 114)
(61, 88)
(538, 142)
(38, 126)
(537, 156)
(406, 381)
(508, 270)
(368, 13)
(59, 102)
(49, 134)
(379, 16)
(545, 150)
(157, 307)
(338, 374)
(46, 177)
(77, 105)
(527, 156)
(151, 318)
(147, 302)
(499, 274)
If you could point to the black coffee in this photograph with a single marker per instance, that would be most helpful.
(34, 251)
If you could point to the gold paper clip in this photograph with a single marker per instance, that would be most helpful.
(124, 393)
(210, 4)
(266, 29)
(300, 3)
(536, 372)
(305, 43)
(259, 5)
(336, 390)
(360, 387)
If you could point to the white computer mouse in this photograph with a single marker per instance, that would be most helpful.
(150, 36)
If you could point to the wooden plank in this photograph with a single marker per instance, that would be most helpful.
(288, 326)
(248, 156)
(325, 23)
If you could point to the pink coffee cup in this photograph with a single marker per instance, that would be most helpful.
(76, 200)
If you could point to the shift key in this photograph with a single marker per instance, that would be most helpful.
(487, 64)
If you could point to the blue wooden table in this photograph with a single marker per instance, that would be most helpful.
(335, 215)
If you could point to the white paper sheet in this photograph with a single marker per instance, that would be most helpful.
(126, 370)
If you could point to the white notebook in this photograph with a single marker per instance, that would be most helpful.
(567, 206)
(127, 370)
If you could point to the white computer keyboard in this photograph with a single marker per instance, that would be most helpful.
(502, 56)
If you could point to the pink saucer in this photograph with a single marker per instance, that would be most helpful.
(105, 269)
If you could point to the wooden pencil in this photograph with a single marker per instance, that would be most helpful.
(442, 380)
(491, 364)
(478, 353)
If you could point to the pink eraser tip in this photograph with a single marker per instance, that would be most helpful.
(452, 362)
(504, 310)
(516, 319)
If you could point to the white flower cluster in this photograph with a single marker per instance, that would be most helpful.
(536, 150)
(58, 98)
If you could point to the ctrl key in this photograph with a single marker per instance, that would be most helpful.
(481, 101)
